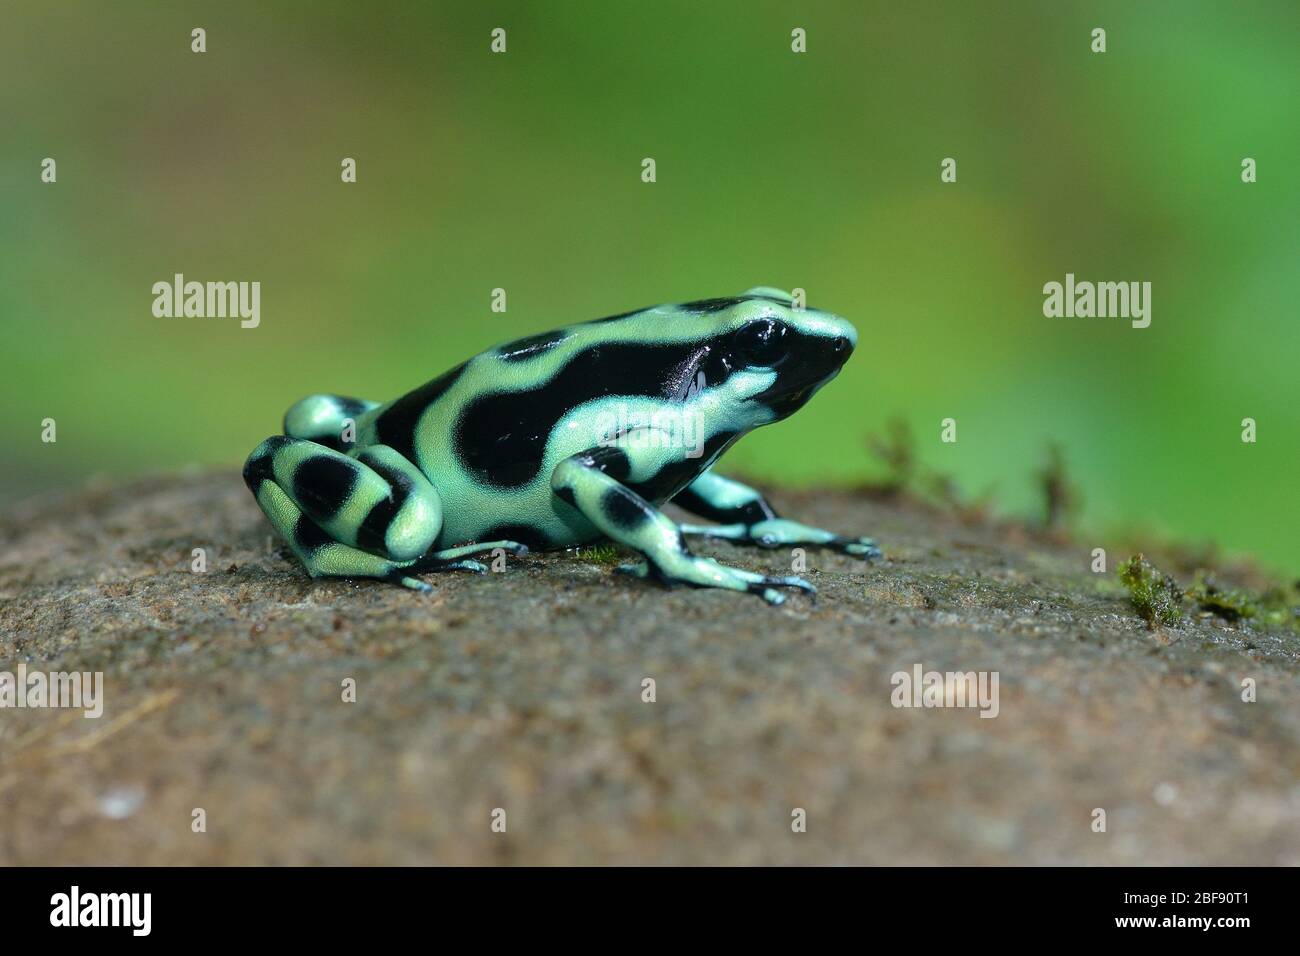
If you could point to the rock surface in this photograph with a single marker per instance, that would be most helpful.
(523, 691)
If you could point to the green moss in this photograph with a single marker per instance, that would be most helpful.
(1156, 596)
(603, 554)
(1280, 606)
(1231, 604)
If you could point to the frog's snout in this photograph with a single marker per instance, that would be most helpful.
(847, 339)
(843, 339)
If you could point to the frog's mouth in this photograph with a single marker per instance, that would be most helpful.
(785, 401)
(816, 361)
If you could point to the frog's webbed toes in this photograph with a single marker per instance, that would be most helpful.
(791, 581)
(746, 517)
(464, 564)
(783, 533)
(694, 571)
(765, 585)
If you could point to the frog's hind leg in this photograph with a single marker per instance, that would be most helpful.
(324, 419)
(747, 518)
(320, 554)
(369, 515)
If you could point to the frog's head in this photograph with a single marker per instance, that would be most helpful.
(771, 356)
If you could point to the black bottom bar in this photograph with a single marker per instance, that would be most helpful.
(334, 905)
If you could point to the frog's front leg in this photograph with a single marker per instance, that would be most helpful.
(370, 514)
(587, 482)
(746, 516)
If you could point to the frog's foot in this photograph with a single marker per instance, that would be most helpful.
(624, 516)
(700, 572)
(487, 547)
(457, 559)
(780, 533)
(746, 517)
(371, 515)
(404, 575)
(324, 419)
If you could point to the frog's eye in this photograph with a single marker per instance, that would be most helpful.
(760, 343)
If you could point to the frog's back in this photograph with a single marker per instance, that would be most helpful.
(489, 432)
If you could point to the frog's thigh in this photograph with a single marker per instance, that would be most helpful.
(587, 481)
(374, 501)
(320, 554)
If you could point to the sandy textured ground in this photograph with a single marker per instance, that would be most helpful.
(522, 690)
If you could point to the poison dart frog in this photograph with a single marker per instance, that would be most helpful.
(558, 440)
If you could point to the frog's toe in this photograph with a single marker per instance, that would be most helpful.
(791, 581)
(765, 586)
(430, 564)
(406, 581)
(485, 547)
(770, 595)
(466, 565)
(635, 569)
(864, 548)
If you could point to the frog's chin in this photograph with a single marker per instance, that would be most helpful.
(784, 400)
(783, 406)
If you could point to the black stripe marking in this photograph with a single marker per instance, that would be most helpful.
(615, 318)
(349, 407)
(373, 533)
(750, 512)
(322, 485)
(624, 508)
(608, 460)
(256, 471)
(676, 475)
(709, 306)
(307, 537)
(501, 437)
(396, 426)
(258, 468)
(809, 362)
(531, 346)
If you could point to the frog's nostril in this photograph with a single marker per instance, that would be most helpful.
(841, 343)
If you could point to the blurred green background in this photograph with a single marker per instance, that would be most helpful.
(819, 170)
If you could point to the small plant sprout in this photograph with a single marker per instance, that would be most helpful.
(1156, 596)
